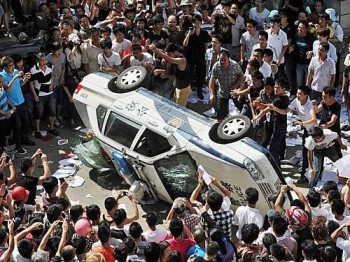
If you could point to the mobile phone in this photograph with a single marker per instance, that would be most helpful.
(7, 158)
(62, 180)
(125, 193)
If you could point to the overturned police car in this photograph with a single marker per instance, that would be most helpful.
(160, 144)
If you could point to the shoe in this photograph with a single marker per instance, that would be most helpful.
(28, 142)
(58, 124)
(21, 150)
(38, 135)
(54, 132)
(200, 95)
(302, 180)
(346, 128)
(61, 120)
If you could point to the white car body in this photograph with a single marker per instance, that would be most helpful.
(163, 144)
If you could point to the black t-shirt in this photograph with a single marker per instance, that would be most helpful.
(289, 30)
(281, 102)
(196, 46)
(29, 183)
(223, 27)
(303, 44)
(326, 115)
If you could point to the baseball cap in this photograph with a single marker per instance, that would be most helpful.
(19, 193)
(332, 14)
(82, 227)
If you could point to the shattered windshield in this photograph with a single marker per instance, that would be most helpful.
(178, 174)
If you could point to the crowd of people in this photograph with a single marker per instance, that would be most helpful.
(269, 62)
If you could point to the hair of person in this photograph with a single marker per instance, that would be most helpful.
(325, 45)
(258, 75)
(315, 131)
(130, 244)
(104, 233)
(268, 52)
(304, 22)
(314, 198)
(50, 183)
(197, 18)
(119, 28)
(333, 194)
(250, 233)
(106, 44)
(199, 235)
(338, 207)
(120, 252)
(152, 252)
(106, 29)
(151, 219)
(175, 256)
(278, 251)
(319, 230)
(280, 225)
(324, 32)
(214, 198)
(217, 37)
(328, 90)
(260, 51)
(282, 82)
(252, 22)
(135, 230)
(268, 240)
(298, 203)
(110, 203)
(217, 236)
(225, 52)
(332, 226)
(305, 89)
(176, 227)
(136, 47)
(5, 61)
(269, 81)
(309, 249)
(119, 216)
(93, 212)
(212, 248)
(264, 34)
(330, 185)
(254, 64)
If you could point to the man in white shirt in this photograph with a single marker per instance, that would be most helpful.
(304, 110)
(248, 214)
(108, 61)
(156, 233)
(320, 144)
(278, 42)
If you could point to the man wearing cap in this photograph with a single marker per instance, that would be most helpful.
(186, 14)
(12, 81)
(26, 179)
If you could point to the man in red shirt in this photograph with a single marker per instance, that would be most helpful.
(177, 243)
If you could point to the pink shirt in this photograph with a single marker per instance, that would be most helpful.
(182, 246)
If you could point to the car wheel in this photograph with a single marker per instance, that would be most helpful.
(234, 128)
(131, 79)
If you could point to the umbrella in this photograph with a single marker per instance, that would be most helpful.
(343, 166)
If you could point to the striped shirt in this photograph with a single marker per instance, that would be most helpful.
(3, 102)
(42, 79)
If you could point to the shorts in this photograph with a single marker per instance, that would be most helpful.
(45, 102)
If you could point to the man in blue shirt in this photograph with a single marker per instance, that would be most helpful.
(12, 84)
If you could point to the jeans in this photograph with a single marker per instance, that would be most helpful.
(301, 73)
(20, 122)
(222, 108)
(319, 155)
(304, 154)
(290, 74)
(278, 135)
(48, 102)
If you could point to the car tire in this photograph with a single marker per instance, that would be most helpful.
(129, 80)
(234, 128)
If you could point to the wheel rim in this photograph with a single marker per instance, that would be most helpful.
(131, 77)
(233, 127)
